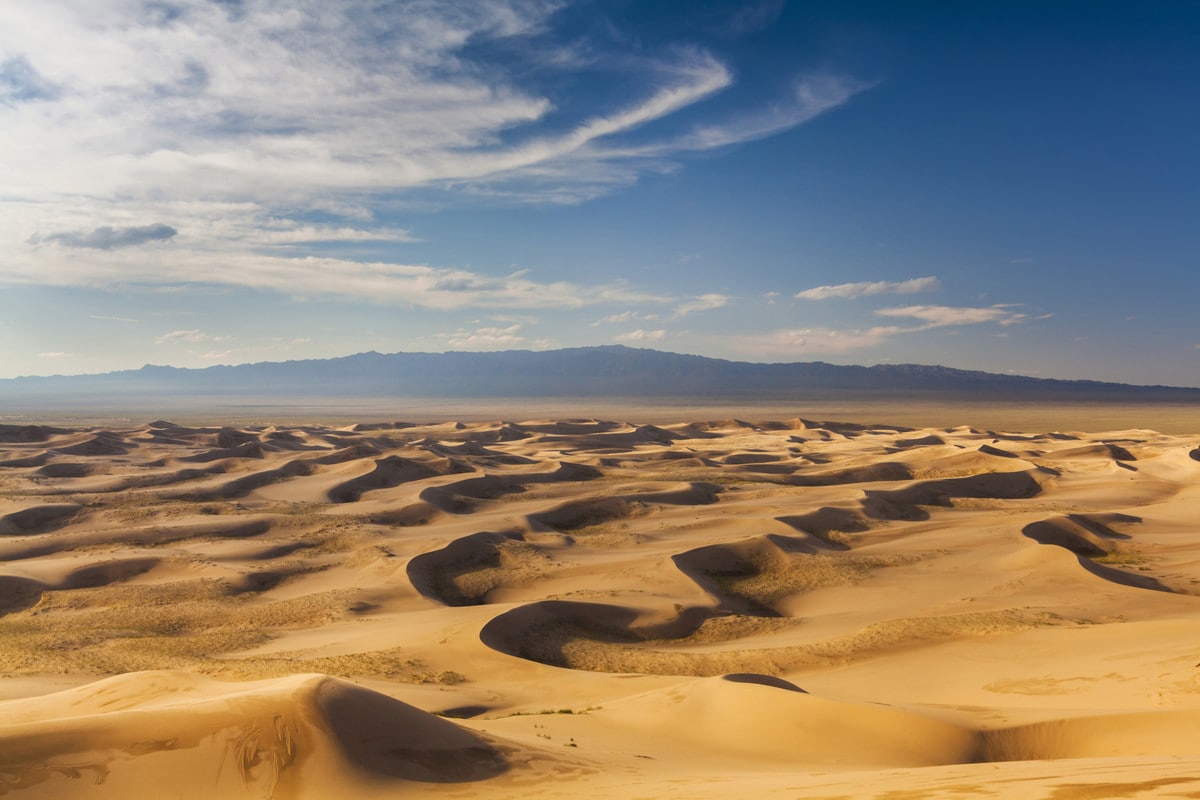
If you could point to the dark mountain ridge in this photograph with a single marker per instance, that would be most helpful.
(606, 371)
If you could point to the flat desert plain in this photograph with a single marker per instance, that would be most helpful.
(598, 609)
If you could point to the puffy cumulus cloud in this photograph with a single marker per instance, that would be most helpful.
(870, 289)
(641, 336)
(942, 316)
(704, 302)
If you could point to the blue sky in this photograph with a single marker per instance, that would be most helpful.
(1008, 186)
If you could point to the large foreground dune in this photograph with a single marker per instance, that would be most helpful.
(559, 608)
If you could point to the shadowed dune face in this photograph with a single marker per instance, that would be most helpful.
(38, 519)
(18, 594)
(628, 609)
(389, 739)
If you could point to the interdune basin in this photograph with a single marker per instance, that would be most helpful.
(598, 609)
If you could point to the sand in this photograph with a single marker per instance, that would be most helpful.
(551, 608)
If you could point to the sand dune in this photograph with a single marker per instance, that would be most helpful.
(584, 607)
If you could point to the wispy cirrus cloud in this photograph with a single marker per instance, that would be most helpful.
(941, 316)
(381, 101)
(810, 97)
(851, 291)
(194, 336)
(413, 285)
(384, 98)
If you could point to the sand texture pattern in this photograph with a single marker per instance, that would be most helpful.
(598, 609)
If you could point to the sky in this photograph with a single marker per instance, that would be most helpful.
(999, 185)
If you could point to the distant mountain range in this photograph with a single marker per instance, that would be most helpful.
(596, 372)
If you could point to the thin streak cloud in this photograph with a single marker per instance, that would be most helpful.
(851, 291)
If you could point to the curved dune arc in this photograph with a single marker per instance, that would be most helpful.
(540, 631)
(393, 471)
(905, 503)
(584, 512)
(244, 485)
(461, 496)
(463, 572)
(1090, 539)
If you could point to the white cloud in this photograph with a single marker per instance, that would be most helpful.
(870, 289)
(53, 354)
(815, 340)
(704, 302)
(812, 96)
(256, 104)
(290, 232)
(624, 316)
(191, 336)
(640, 336)
(112, 319)
(486, 338)
(941, 316)
(227, 132)
(376, 281)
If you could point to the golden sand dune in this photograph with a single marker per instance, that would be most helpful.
(593, 608)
